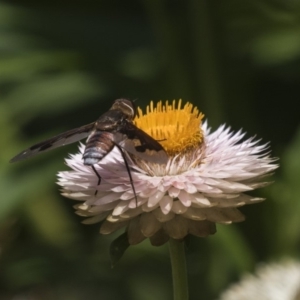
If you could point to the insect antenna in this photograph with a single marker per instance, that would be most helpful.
(99, 177)
(128, 171)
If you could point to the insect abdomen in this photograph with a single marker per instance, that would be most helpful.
(98, 145)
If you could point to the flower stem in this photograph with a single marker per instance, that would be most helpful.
(179, 271)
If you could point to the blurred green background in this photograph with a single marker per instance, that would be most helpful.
(61, 65)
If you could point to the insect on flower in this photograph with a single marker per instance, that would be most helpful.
(114, 128)
(204, 182)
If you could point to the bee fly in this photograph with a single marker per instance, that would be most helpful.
(114, 128)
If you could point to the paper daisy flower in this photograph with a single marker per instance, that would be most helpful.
(276, 281)
(203, 183)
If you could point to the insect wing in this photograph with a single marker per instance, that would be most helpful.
(140, 144)
(68, 137)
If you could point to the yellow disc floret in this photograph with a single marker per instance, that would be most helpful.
(177, 129)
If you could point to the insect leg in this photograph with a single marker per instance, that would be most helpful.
(98, 175)
(128, 171)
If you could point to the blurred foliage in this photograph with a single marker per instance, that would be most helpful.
(62, 63)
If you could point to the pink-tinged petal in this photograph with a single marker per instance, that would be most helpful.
(202, 200)
(103, 208)
(185, 198)
(120, 208)
(178, 184)
(224, 215)
(161, 217)
(195, 214)
(201, 228)
(137, 202)
(178, 208)
(163, 188)
(149, 224)
(134, 233)
(227, 186)
(154, 199)
(159, 238)
(131, 213)
(119, 189)
(190, 188)
(146, 208)
(166, 204)
(177, 228)
(114, 219)
(238, 200)
(111, 197)
(108, 227)
(147, 192)
(173, 192)
(95, 219)
(77, 195)
(128, 195)
(205, 188)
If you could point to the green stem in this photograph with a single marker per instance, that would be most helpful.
(179, 271)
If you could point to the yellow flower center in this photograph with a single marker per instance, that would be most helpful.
(177, 129)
